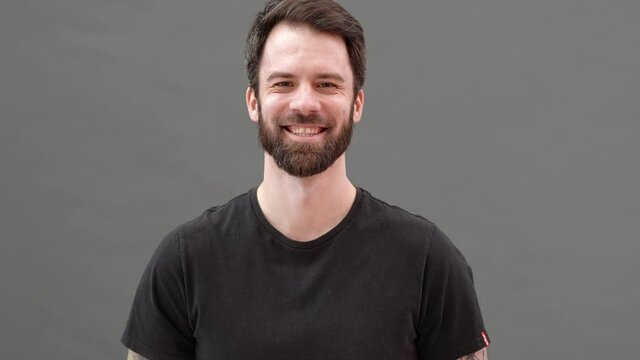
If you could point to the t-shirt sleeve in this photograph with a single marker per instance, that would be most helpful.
(450, 324)
(158, 327)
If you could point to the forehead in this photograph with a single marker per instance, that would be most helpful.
(301, 50)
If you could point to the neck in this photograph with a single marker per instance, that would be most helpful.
(305, 208)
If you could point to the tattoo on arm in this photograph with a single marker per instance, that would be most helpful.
(478, 355)
(134, 356)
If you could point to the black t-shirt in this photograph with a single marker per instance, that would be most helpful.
(383, 284)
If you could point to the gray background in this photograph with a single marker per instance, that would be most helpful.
(511, 124)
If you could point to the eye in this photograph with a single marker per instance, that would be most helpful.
(327, 85)
(283, 84)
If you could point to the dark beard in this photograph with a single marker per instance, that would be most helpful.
(303, 159)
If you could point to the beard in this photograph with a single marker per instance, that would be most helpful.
(302, 159)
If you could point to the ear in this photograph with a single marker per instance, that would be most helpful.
(252, 104)
(358, 106)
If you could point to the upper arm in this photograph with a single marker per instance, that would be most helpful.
(478, 355)
(135, 356)
(160, 324)
(450, 323)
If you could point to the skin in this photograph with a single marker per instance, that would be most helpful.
(479, 355)
(135, 356)
(293, 78)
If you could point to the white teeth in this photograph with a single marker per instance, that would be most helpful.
(305, 130)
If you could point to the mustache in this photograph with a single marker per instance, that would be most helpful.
(301, 119)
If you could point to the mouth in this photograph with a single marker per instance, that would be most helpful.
(304, 131)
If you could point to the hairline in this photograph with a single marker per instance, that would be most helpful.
(302, 26)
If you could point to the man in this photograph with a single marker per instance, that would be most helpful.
(306, 265)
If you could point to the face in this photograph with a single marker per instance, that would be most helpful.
(305, 107)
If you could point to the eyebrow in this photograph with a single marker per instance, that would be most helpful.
(279, 74)
(286, 75)
(331, 76)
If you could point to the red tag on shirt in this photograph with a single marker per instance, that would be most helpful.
(485, 337)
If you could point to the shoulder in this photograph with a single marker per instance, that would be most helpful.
(388, 218)
(408, 228)
(212, 223)
(217, 218)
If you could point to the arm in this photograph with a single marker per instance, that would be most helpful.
(133, 356)
(478, 355)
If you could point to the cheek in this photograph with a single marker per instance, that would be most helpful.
(272, 108)
(344, 113)
(269, 118)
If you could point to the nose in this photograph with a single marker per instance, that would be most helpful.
(304, 100)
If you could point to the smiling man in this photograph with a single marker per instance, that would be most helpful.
(306, 265)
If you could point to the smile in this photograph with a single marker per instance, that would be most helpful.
(304, 130)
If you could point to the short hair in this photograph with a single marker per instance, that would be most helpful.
(321, 15)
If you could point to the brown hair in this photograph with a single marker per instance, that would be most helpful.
(321, 15)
